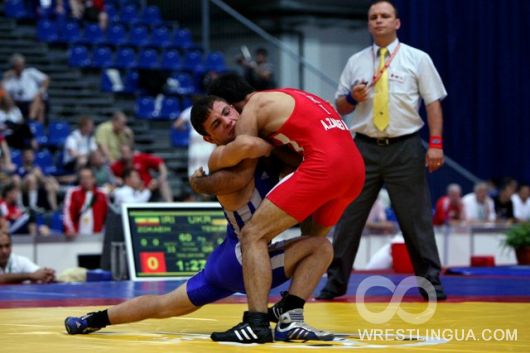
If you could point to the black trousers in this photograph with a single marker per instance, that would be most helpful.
(400, 167)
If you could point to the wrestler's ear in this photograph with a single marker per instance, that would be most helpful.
(208, 139)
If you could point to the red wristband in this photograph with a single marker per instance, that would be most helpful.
(436, 142)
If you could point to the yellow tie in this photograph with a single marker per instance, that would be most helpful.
(381, 95)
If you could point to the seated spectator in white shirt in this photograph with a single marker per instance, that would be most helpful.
(18, 269)
(521, 203)
(78, 145)
(132, 191)
(478, 206)
(28, 87)
(16, 131)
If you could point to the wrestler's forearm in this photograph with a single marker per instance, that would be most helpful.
(243, 147)
(224, 181)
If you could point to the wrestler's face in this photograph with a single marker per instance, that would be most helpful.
(221, 123)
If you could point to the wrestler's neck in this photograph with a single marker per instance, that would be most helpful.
(240, 105)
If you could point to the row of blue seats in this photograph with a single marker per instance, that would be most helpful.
(164, 108)
(125, 11)
(70, 31)
(49, 163)
(54, 136)
(146, 58)
(178, 83)
(133, 14)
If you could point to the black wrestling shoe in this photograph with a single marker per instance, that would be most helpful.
(255, 328)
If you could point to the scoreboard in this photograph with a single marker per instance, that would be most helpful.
(171, 240)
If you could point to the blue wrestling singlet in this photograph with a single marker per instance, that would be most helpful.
(223, 274)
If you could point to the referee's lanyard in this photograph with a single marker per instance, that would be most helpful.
(381, 71)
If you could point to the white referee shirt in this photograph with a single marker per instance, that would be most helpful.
(411, 76)
(19, 264)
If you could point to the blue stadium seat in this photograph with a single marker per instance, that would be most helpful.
(170, 108)
(186, 102)
(56, 223)
(38, 131)
(112, 12)
(181, 83)
(161, 37)
(101, 57)
(138, 36)
(215, 61)
(145, 106)
(116, 34)
(106, 82)
(131, 81)
(129, 13)
(44, 159)
(125, 58)
(193, 61)
(148, 59)
(171, 60)
(151, 15)
(92, 34)
(180, 138)
(79, 56)
(183, 39)
(58, 131)
(59, 158)
(16, 9)
(16, 157)
(69, 31)
(111, 81)
(47, 31)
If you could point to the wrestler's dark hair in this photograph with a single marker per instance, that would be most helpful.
(230, 86)
(200, 111)
(387, 1)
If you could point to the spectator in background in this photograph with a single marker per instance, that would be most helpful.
(144, 164)
(6, 165)
(90, 11)
(521, 203)
(478, 206)
(112, 134)
(258, 72)
(18, 269)
(85, 206)
(503, 203)
(377, 222)
(19, 220)
(78, 145)
(132, 190)
(105, 179)
(28, 87)
(39, 191)
(449, 208)
(12, 125)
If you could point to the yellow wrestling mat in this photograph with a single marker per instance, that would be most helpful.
(454, 327)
